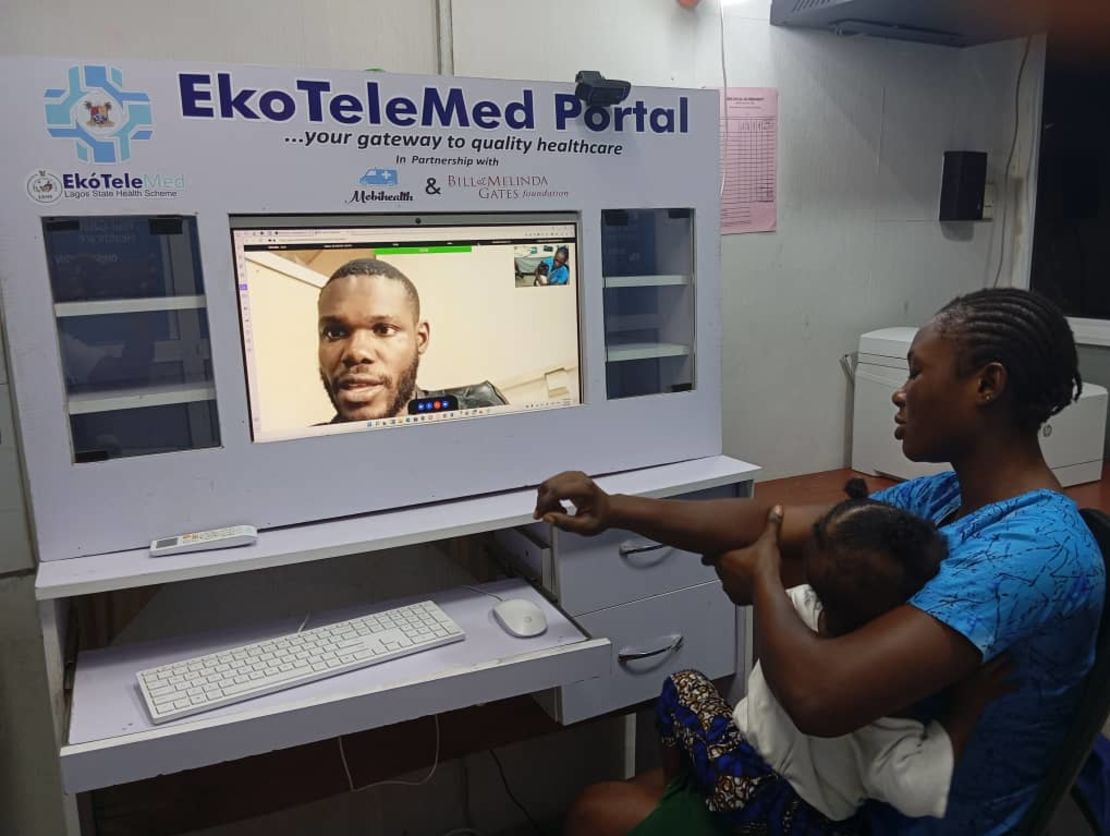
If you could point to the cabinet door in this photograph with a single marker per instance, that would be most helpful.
(129, 305)
(648, 265)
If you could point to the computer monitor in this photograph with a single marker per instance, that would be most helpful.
(383, 322)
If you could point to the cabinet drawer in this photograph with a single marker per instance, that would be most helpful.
(650, 639)
(524, 551)
(593, 573)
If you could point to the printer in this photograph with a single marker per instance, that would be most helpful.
(1072, 442)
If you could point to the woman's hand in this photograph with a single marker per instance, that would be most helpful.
(739, 568)
(592, 514)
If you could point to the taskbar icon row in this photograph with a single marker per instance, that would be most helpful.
(455, 414)
(425, 417)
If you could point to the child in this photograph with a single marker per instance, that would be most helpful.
(754, 766)
(541, 275)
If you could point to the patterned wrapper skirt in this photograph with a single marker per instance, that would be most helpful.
(737, 783)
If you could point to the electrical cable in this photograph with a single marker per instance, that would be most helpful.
(395, 781)
(513, 798)
(482, 591)
(724, 97)
(1010, 161)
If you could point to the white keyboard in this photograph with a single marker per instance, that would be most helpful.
(205, 682)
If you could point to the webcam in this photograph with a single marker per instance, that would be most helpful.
(598, 91)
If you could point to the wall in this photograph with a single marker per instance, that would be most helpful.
(863, 125)
(398, 35)
(30, 788)
(283, 350)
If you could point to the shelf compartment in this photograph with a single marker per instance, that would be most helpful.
(108, 307)
(114, 400)
(624, 352)
(659, 280)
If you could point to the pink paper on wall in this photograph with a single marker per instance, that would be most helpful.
(749, 159)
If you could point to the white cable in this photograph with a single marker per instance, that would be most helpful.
(458, 831)
(303, 623)
(482, 591)
(724, 97)
(445, 39)
(848, 363)
(346, 769)
(421, 782)
(1005, 192)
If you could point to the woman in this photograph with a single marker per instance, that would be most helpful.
(557, 271)
(1024, 576)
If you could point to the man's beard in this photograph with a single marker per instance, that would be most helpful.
(402, 390)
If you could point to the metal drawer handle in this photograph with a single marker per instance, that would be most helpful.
(631, 547)
(672, 643)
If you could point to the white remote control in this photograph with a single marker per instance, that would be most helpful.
(217, 538)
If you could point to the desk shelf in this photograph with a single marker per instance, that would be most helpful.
(657, 280)
(371, 532)
(623, 352)
(140, 397)
(110, 307)
(111, 739)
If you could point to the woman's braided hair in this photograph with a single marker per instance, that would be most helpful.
(1028, 335)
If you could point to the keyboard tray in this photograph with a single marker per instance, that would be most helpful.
(111, 739)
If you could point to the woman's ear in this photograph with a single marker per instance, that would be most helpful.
(993, 379)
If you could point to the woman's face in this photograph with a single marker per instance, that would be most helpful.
(937, 414)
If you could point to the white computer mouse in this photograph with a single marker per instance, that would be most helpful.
(520, 617)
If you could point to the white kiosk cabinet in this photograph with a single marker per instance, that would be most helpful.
(357, 311)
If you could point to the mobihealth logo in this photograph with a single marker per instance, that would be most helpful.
(97, 113)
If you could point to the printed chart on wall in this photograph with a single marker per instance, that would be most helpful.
(749, 159)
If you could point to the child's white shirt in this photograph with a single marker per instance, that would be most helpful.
(899, 761)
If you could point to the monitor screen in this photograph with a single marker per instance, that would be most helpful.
(348, 324)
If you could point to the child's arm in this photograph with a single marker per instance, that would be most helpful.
(907, 765)
(910, 767)
(970, 697)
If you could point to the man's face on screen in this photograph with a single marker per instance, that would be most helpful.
(370, 346)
